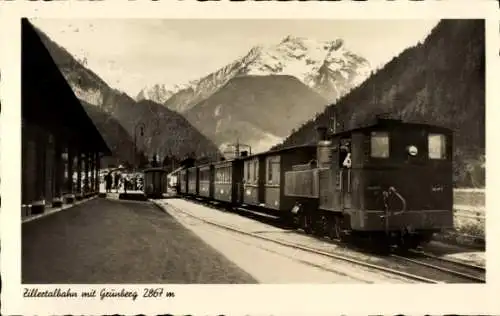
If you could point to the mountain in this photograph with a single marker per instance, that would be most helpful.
(327, 67)
(257, 110)
(113, 133)
(158, 93)
(165, 133)
(440, 81)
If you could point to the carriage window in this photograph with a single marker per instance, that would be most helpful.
(380, 145)
(255, 170)
(276, 172)
(437, 146)
(247, 164)
(269, 170)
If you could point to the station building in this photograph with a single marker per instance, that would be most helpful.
(61, 146)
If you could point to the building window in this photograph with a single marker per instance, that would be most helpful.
(437, 146)
(379, 145)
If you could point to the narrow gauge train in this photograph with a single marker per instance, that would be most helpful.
(390, 181)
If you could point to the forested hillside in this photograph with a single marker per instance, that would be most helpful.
(440, 81)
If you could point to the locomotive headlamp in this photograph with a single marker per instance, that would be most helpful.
(412, 150)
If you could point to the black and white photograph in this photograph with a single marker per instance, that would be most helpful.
(257, 151)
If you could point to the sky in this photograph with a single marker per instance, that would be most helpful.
(130, 54)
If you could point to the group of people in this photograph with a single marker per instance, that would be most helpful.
(116, 181)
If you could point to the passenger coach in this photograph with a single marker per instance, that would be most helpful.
(192, 176)
(264, 176)
(227, 181)
(183, 183)
(206, 181)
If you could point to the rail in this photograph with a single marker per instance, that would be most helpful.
(460, 270)
(425, 267)
(377, 267)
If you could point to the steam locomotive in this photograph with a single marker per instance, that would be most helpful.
(391, 181)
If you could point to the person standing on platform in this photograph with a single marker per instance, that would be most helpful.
(109, 182)
(117, 181)
(125, 184)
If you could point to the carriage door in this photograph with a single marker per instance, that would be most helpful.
(345, 161)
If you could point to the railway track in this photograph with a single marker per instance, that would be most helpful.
(460, 270)
(416, 266)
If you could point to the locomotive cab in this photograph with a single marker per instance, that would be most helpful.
(413, 160)
(402, 177)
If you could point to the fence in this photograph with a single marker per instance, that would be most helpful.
(471, 213)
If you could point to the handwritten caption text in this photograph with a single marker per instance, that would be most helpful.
(104, 293)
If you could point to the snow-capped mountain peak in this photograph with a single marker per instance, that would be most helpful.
(158, 93)
(327, 67)
(303, 58)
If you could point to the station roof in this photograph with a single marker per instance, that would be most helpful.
(48, 100)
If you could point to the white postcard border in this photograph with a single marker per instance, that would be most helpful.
(245, 299)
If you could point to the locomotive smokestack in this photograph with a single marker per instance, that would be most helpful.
(321, 132)
(324, 150)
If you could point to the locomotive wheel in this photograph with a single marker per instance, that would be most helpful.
(305, 222)
(324, 225)
(409, 242)
(331, 228)
(290, 221)
(309, 223)
(338, 230)
(335, 228)
(425, 238)
(319, 225)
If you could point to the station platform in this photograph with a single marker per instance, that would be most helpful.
(106, 240)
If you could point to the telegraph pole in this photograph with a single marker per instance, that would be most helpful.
(334, 123)
(237, 146)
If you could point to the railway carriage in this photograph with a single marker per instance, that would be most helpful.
(192, 178)
(228, 175)
(174, 180)
(264, 175)
(183, 183)
(253, 175)
(206, 181)
(155, 182)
